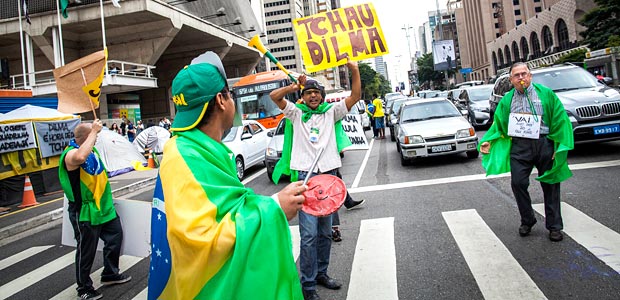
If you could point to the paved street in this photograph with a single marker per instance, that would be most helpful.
(438, 229)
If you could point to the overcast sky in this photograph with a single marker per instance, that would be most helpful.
(394, 15)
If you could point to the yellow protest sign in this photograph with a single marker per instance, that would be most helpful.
(93, 89)
(328, 38)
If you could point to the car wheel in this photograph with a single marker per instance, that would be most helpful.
(392, 137)
(240, 167)
(404, 161)
(473, 154)
(398, 147)
(270, 173)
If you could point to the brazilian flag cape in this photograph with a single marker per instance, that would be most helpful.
(213, 238)
(283, 167)
(560, 132)
(97, 204)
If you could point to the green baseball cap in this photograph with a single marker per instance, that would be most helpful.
(193, 87)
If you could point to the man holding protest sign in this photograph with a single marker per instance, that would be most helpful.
(315, 125)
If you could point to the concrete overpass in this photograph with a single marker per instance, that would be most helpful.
(148, 40)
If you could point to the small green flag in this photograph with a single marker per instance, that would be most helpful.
(63, 8)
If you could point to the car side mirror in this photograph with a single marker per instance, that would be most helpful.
(270, 133)
(246, 136)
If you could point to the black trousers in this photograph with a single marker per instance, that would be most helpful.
(524, 156)
(87, 237)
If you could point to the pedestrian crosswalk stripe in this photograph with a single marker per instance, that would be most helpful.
(142, 295)
(296, 240)
(35, 276)
(373, 273)
(125, 262)
(601, 241)
(497, 272)
(9, 261)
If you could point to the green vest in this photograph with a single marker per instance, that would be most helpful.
(97, 204)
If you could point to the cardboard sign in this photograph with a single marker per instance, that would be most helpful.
(16, 136)
(352, 125)
(524, 126)
(54, 136)
(79, 83)
(326, 39)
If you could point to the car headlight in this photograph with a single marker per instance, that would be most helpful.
(271, 152)
(572, 118)
(465, 133)
(414, 139)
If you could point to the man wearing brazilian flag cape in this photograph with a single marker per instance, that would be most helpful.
(213, 238)
(530, 129)
(315, 125)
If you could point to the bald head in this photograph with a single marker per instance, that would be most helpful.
(81, 132)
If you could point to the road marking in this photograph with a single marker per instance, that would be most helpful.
(373, 272)
(601, 241)
(497, 272)
(125, 262)
(295, 239)
(9, 261)
(401, 185)
(142, 295)
(360, 172)
(259, 173)
(37, 275)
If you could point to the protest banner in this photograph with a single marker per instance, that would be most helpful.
(54, 136)
(352, 125)
(326, 39)
(79, 83)
(16, 136)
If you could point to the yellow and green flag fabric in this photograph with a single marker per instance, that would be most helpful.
(213, 238)
(560, 132)
(97, 204)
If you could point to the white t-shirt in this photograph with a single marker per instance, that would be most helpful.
(304, 151)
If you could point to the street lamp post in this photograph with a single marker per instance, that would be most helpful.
(406, 28)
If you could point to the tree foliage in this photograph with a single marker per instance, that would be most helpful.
(372, 82)
(426, 71)
(573, 57)
(603, 25)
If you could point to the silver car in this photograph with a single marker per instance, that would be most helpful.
(431, 127)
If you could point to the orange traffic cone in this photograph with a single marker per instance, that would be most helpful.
(28, 199)
(151, 161)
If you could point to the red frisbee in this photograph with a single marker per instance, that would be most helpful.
(325, 195)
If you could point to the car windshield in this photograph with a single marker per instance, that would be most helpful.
(480, 94)
(560, 80)
(428, 111)
(397, 104)
(231, 134)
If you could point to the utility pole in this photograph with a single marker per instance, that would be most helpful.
(406, 28)
(441, 37)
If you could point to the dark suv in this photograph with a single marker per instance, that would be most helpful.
(592, 107)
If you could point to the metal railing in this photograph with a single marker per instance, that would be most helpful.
(114, 67)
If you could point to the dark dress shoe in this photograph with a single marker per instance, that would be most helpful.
(311, 295)
(556, 235)
(328, 282)
(525, 229)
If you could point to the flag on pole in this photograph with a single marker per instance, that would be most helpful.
(63, 8)
(26, 14)
(80, 82)
(116, 4)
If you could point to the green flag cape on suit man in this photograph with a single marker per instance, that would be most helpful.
(560, 132)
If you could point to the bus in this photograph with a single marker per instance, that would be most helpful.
(252, 93)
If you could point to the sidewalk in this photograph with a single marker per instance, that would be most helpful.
(21, 222)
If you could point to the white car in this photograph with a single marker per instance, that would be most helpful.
(248, 143)
(431, 127)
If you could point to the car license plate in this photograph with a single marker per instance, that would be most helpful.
(441, 148)
(614, 128)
